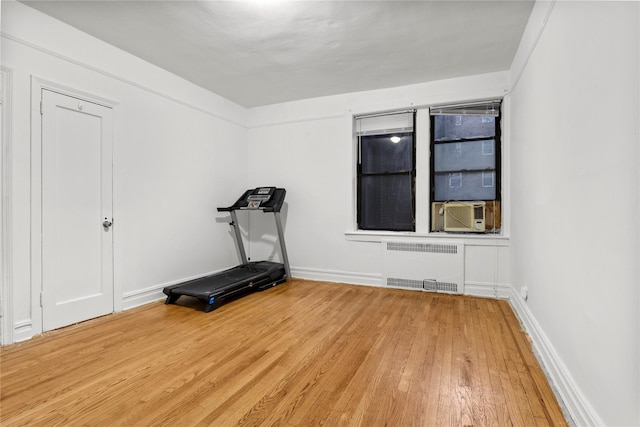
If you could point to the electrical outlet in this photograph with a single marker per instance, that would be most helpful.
(524, 293)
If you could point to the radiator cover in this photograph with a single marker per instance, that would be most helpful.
(435, 267)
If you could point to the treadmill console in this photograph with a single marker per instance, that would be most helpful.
(259, 196)
(265, 199)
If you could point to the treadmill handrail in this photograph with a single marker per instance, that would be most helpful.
(272, 205)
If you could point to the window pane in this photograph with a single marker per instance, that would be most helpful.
(385, 203)
(459, 156)
(387, 153)
(449, 128)
(465, 186)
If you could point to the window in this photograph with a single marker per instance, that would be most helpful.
(429, 170)
(386, 171)
(465, 163)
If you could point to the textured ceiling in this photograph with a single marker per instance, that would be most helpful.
(257, 53)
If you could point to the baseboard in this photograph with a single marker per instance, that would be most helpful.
(143, 296)
(22, 331)
(487, 290)
(154, 293)
(337, 276)
(477, 289)
(577, 408)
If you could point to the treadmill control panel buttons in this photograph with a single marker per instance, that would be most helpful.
(259, 196)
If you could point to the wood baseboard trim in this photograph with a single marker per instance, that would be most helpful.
(575, 405)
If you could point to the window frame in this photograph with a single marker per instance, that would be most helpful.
(497, 156)
(360, 174)
(423, 181)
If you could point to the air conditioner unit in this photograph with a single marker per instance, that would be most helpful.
(464, 216)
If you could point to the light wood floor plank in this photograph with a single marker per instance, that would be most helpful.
(303, 353)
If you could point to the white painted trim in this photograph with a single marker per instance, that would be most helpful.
(6, 295)
(337, 276)
(576, 406)
(351, 194)
(477, 289)
(72, 92)
(408, 236)
(505, 167)
(638, 165)
(36, 209)
(533, 31)
(143, 296)
(487, 289)
(23, 330)
(422, 178)
(121, 79)
(154, 293)
(296, 121)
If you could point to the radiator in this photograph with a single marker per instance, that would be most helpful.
(436, 267)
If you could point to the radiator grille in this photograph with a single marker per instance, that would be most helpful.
(434, 248)
(446, 287)
(427, 285)
(435, 266)
(404, 283)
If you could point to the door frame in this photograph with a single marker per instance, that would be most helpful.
(6, 290)
(35, 325)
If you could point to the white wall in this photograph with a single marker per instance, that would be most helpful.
(179, 153)
(575, 201)
(307, 147)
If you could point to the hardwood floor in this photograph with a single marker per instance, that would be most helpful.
(301, 354)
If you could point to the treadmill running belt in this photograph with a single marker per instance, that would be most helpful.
(216, 288)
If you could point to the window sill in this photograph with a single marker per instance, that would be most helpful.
(467, 238)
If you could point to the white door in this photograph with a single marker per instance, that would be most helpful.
(77, 242)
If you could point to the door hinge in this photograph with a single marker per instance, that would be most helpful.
(41, 108)
(41, 299)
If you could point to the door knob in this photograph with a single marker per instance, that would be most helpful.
(106, 224)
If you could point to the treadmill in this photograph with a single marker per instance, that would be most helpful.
(247, 277)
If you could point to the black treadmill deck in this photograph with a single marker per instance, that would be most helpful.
(215, 289)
